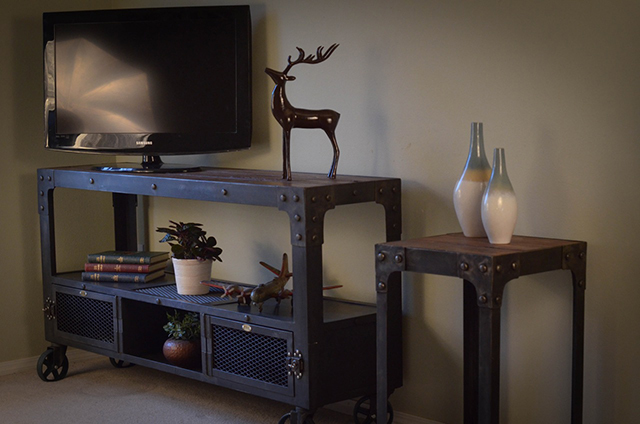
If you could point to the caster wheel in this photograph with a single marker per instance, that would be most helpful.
(48, 370)
(120, 363)
(284, 419)
(287, 418)
(363, 414)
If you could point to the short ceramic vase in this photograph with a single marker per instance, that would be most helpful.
(467, 195)
(499, 206)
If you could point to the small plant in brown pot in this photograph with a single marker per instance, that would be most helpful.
(182, 348)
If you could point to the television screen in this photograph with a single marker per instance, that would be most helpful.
(148, 81)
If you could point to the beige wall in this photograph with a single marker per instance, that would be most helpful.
(21, 154)
(555, 83)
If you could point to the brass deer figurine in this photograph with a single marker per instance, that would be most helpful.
(290, 117)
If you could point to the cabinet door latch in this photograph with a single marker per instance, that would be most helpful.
(295, 364)
(49, 309)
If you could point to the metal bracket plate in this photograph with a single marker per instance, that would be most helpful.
(388, 260)
(49, 309)
(295, 364)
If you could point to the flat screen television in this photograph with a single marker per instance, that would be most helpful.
(148, 82)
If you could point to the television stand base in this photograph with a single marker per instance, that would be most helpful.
(149, 165)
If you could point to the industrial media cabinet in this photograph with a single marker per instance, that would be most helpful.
(322, 351)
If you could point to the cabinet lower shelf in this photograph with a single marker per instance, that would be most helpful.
(242, 348)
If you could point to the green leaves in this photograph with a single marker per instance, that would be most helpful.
(189, 241)
(186, 327)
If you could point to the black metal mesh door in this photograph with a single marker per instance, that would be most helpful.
(85, 317)
(252, 354)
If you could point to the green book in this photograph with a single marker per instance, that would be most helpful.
(121, 277)
(120, 257)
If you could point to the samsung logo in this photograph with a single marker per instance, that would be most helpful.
(144, 143)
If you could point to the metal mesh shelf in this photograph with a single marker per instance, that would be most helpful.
(171, 292)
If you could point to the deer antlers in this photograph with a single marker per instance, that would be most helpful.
(320, 56)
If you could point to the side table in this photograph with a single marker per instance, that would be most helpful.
(485, 269)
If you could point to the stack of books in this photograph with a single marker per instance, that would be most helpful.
(125, 267)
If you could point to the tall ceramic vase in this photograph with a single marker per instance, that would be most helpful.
(499, 206)
(467, 195)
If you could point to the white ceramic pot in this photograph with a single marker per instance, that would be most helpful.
(189, 273)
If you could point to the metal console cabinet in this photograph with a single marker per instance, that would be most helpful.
(321, 352)
(485, 270)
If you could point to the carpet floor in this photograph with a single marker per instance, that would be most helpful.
(96, 392)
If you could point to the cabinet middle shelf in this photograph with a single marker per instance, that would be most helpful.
(163, 292)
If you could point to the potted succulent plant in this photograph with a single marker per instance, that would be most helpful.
(193, 254)
(182, 348)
